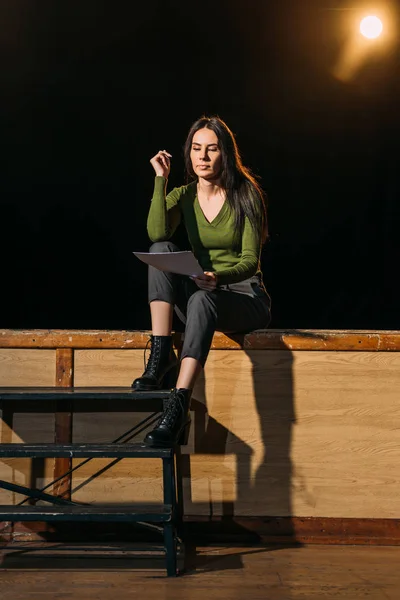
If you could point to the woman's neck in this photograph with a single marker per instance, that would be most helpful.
(209, 188)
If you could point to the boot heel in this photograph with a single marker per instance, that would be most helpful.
(184, 435)
(170, 378)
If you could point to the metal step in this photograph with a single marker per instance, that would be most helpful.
(159, 513)
(84, 451)
(79, 393)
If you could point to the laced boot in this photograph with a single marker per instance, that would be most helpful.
(173, 426)
(161, 371)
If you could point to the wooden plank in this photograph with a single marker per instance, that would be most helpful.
(359, 341)
(10, 338)
(272, 339)
(302, 434)
(231, 572)
(30, 367)
(63, 421)
(64, 367)
(107, 367)
(289, 530)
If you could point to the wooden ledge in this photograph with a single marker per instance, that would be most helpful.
(269, 339)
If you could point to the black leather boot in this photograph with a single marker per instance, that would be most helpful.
(161, 371)
(173, 426)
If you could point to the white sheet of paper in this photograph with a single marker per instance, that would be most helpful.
(183, 263)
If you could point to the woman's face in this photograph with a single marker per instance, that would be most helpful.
(205, 154)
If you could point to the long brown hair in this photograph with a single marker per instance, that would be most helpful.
(243, 192)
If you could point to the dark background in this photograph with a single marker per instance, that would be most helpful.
(90, 90)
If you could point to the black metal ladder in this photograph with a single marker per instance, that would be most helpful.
(169, 514)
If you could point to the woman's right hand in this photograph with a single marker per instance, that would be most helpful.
(161, 163)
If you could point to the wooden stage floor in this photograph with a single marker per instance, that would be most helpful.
(220, 572)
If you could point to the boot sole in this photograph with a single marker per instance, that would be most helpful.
(146, 388)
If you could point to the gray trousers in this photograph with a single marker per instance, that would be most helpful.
(235, 308)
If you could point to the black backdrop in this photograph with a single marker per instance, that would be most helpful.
(90, 90)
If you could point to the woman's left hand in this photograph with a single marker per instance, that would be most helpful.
(207, 281)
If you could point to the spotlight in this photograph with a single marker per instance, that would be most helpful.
(371, 27)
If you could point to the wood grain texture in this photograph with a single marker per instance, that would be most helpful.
(269, 339)
(63, 421)
(64, 367)
(116, 367)
(27, 367)
(274, 433)
(225, 572)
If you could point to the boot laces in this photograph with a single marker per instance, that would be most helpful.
(152, 362)
(175, 406)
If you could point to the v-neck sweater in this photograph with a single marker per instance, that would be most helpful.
(213, 243)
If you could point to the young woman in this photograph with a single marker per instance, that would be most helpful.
(224, 214)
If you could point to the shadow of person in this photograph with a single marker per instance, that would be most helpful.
(238, 472)
(212, 439)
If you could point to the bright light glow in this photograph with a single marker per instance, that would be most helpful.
(371, 27)
(369, 36)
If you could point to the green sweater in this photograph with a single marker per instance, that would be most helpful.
(212, 243)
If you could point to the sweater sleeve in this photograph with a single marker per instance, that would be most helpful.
(164, 214)
(249, 263)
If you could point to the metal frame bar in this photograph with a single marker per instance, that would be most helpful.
(170, 535)
(35, 493)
